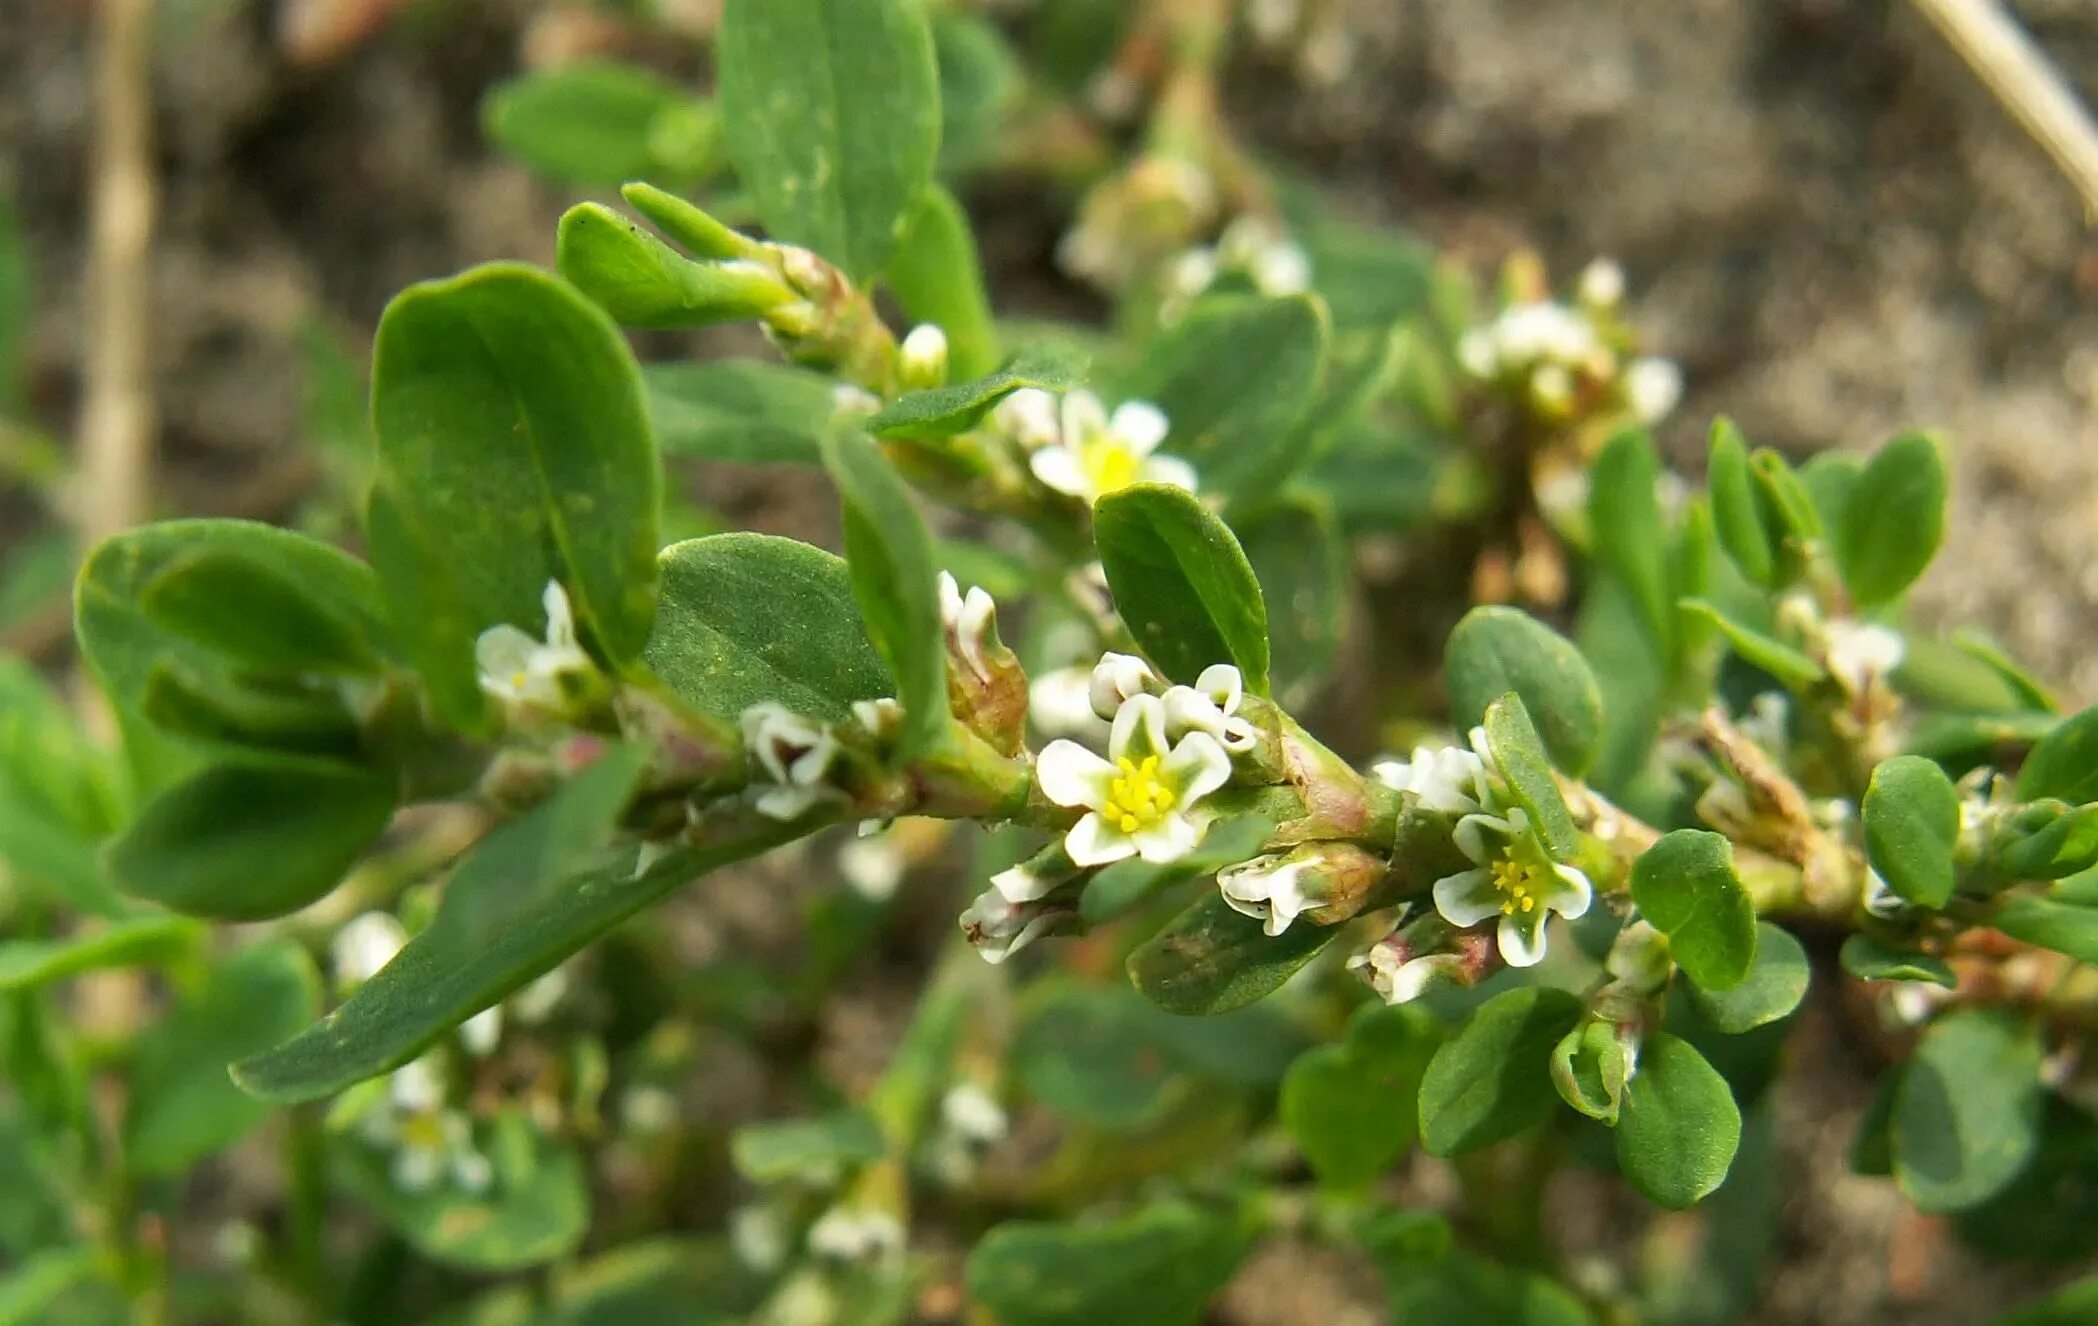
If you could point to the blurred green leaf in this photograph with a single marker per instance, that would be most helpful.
(602, 124)
(1894, 519)
(1967, 1113)
(1158, 1266)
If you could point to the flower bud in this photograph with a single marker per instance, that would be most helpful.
(1118, 677)
(1593, 1064)
(986, 686)
(1326, 882)
(1401, 966)
(922, 362)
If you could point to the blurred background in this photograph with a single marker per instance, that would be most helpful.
(1826, 219)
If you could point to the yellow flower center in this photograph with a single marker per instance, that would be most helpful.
(1521, 884)
(1109, 464)
(423, 1132)
(1137, 797)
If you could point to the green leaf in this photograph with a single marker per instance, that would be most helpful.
(737, 409)
(980, 82)
(1233, 376)
(2074, 1305)
(1495, 650)
(35, 1290)
(2047, 1213)
(643, 282)
(1349, 1106)
(1455, 1286)
(1090, 1053)
(15, 308)
(1792, 669)
(126, 647)
(1182, 583)
(530, 894)
(752, 617)
(1520, 755)
(1869, 959)
(26, 964)
(818, 1151)
(2062, 927)
(514, 449)
(1630, 537)
(1493, 1079)
(937, 275)
(183, 1105)
(1301, 560)
(1211, 959)
(1158, 1266)
(1894, 519)
(2045, 840)
(833, 116)
(889, 557)
(1630, 677)
(1737, 514)
(2064, 765)
(1686, 886)
(536, 1209)
(1775, 984)
(1967, 1113)
(262, 615)
(603, 124)
(945, 411)
(1912, 824)
(1680, 1126)
(254, 838)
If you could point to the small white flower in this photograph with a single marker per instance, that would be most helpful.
(1017, 884)
(1860, 653)
(1191, 273)
(1282, 268)
(1477, 354)
(873, 865)
(1029, 417)
(971, 1112)
(481, 1032)
(533, 673)
(856, 1235)
(1000, 927)
(1211, 706)
(1118, 678)
(793, 753)
(1060, 703)
(364, 945)
(1399, 979)
(1270, 889)
(968, 621)
(1449, 780)
(435, 1146)
(416, 1087)
(1100, 454)
(1542, 332)
(648, 1109)
(1602, 284)
(1552, 387)
(1881, 900)
(1142, 798)
(1514, 880)
(922, 359)
(1652, 387)
(882, 718)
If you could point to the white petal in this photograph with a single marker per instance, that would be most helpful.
(1471, 838)
(1094, 842)
(1240, 735)
(1171, 838)
(972, 626)
(1028, 416)
(1139, 730)
(950, 599)
(1115, 678)
(1467, 898)
(1170, 470)
(1224, 686)
(1141, 426)
(1084, 418)
(504, 655)
(1521, 937)
(1195, 768)
(1058, 468)
(560, 622)
(786, 803)
(481, 1032)
(1071, 775)
(1571, 894)
(1189, 710)
(1019, 884)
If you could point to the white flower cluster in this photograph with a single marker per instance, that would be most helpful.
(1167, 749)
(1555, 355)
(530, 675)
(1513, 877)
(431, 1142)
(1076, 447)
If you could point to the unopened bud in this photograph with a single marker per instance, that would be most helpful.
(1118, 677)
(1592, 1065)
(1324, 882)
(986, 686)
(923, 359)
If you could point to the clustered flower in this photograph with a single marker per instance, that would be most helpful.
(1559, 359)
(1252, 247)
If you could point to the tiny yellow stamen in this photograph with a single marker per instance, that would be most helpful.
(1109, 464)
(1137, 797)
(1521, 885)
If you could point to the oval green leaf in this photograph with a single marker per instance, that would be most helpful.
(1912, 824)
(1967, 1113)
(1686, 886)
(1495, 650)
(1182, 583)
(1679, 1129)
(1493, 1079)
